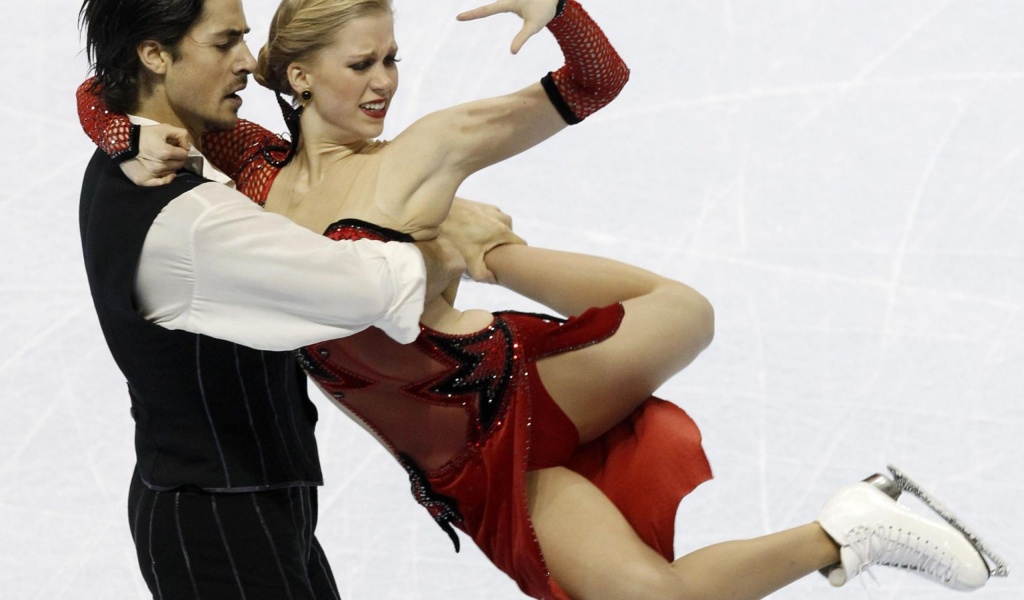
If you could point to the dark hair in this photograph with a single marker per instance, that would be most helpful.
(115, 28)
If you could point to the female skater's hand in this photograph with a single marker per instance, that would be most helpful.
(535, 15)
(162, 152)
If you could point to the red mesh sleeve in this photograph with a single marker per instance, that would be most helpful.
(112, 132)
(593, 74)
(249, 154)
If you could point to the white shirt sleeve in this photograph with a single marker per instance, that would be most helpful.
(215, 263)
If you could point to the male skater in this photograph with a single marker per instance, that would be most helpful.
(201, 295)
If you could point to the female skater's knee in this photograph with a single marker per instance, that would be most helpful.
(692, 313)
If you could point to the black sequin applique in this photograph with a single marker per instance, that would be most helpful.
(479, 369)
(312, 365)
(332, 378)
(442, 508)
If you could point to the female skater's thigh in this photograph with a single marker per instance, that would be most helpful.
(600, 385)
(590, 549)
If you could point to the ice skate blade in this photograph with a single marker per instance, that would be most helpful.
(997, 566)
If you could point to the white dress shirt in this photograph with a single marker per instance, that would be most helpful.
(216, 263)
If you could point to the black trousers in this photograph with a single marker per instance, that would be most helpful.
(250, 545)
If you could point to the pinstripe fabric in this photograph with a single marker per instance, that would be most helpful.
(286, 448)
(209, 416)
(247, 401)
(323, 571)
(208, 413)
(288, 379)
(270, 542)
(221, 546)
(227, 548)
(181, 543)
(152, 559)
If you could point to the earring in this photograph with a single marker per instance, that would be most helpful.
(306, 96)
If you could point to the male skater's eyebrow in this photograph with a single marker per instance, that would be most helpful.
(234, 34)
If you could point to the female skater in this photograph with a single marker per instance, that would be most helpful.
(526, 431)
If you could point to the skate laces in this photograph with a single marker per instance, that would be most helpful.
(890, 546)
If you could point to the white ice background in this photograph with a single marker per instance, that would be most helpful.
(843, 179)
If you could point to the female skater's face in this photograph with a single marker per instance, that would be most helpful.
(354, 78)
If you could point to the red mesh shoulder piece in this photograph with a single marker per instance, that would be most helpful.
(593, 74)
(112, 132)
(249, 154)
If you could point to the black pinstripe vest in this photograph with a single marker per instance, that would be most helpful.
(208, 413)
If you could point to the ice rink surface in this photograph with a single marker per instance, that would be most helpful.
(844, 180)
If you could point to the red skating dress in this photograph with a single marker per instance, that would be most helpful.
(467, 415)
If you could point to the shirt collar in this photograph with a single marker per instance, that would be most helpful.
(196, 162)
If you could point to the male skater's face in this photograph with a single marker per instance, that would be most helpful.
(213, 64)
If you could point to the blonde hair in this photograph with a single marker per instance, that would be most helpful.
(300, 29)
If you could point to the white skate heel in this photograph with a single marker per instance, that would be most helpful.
(872, 529)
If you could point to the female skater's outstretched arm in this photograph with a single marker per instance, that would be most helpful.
(424, 165)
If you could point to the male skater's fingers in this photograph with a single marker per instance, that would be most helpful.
(162, 152)
(177, 137)
(168, 152)
(141, 174)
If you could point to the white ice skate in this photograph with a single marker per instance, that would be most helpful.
(872, 529)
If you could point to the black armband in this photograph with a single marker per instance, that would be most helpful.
(548, 83)
(133, 146)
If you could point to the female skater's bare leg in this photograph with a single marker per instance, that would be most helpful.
(590, 548)
(593, 553)
(666, 325)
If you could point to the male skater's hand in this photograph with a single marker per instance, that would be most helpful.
(477, 228)
(162, 153)
(444, 263)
